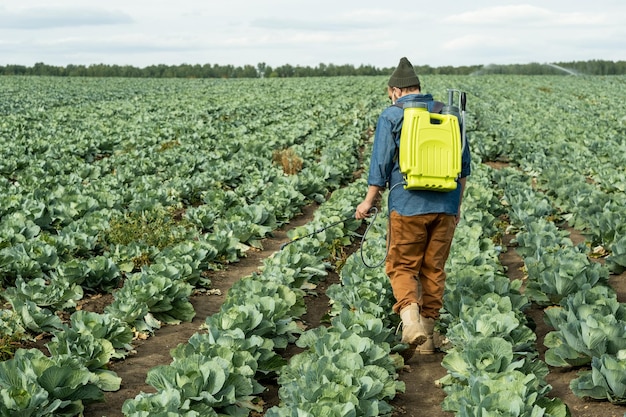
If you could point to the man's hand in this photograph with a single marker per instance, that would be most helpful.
(363, 210)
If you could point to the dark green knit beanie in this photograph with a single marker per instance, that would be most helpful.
(404, 75)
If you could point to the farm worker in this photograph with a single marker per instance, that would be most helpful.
(421, 224)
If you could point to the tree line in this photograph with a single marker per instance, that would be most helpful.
(262, 70)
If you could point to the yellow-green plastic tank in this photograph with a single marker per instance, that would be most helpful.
(430, 149)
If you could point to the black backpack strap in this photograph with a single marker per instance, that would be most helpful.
(437, 106)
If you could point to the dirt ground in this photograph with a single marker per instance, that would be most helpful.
(422, 398)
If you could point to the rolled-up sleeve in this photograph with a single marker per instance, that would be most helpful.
(383, 152)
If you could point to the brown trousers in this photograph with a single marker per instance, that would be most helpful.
(418, 249)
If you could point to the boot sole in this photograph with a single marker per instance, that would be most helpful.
(413, 348)
(419, 340)
(427, 348)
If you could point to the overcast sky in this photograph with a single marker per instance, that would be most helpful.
(307, 33)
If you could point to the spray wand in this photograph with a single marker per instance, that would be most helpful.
(463, 100)
(451, 108)
(321, 229)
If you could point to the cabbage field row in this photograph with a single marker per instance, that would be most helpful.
(141, 188)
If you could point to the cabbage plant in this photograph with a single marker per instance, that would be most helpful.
(605, 381)
(32, 384)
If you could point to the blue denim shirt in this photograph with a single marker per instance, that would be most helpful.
(385, 168)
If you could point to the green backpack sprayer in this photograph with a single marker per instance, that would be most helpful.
(430, 152)
(432, 144)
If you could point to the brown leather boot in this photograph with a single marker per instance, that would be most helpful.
(428, 347)
(413, 332)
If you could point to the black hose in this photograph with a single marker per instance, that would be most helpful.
(375, 210)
